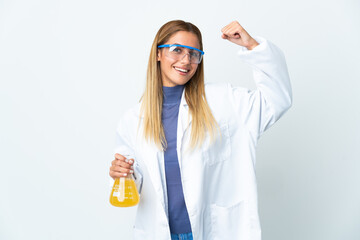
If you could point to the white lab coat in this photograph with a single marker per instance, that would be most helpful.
(219, 182)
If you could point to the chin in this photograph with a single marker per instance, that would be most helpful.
(182, 82)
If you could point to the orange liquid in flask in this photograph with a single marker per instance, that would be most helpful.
(124, 193)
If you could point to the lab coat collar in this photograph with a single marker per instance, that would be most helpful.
(184, 119)
(183, 101)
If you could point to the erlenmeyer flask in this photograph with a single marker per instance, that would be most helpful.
(124, 192)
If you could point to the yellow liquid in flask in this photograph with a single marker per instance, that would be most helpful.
(124, 193)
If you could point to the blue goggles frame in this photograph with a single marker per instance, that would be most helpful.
(178, 45)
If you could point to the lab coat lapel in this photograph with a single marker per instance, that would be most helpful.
(154, 160)
(184, 121)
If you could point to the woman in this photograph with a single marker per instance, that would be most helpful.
(193, 146)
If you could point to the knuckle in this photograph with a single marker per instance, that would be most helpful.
(119, 156)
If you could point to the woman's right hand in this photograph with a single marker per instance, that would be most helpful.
(120, 166)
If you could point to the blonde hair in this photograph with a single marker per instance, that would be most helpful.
(151, 106)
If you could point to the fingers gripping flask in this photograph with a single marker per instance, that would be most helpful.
(124, 192)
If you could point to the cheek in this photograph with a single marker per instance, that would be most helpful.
(165, 65)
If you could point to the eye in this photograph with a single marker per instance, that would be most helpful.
(194, 54)
(175, 49)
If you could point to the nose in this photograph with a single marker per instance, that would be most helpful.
(186, 59)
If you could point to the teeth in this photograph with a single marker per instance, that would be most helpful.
(181, 70)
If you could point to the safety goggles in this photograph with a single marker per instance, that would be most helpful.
(177, 52)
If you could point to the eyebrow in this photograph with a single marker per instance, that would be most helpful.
(184, 45)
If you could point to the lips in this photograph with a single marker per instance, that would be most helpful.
(181, 70)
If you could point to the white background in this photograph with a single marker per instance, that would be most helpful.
(68, 69)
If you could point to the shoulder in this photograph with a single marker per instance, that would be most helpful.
(223, 99)
(214, 89)
(222, 90)
(131, 115)
(218, 98)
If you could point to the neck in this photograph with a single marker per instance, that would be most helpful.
(172, 94)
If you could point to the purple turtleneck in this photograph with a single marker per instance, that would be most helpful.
(178, 215)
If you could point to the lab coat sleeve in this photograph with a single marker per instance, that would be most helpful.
(124, 146)
(259, 109)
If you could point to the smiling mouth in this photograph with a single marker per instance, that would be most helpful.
(181, 70)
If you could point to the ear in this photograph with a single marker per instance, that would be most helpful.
(158, 55)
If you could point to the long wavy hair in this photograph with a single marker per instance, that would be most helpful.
(203, 121)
